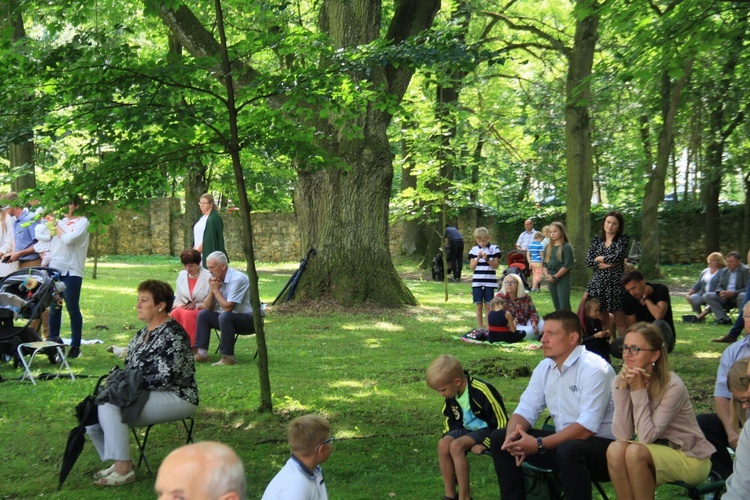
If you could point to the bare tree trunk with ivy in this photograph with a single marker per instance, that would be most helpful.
(579, 154)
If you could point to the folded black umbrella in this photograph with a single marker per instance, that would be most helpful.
(87, 414)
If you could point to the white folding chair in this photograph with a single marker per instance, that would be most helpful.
(35, 347)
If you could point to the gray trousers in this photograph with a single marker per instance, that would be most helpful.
(696, 300)
(111, 437)
(717, 303)
(227, 323)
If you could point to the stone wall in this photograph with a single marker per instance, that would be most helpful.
(159, 227)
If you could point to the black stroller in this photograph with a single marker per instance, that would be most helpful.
(438, 271)
(24, 295)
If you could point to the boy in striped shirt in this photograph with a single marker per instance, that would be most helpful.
(483, 260)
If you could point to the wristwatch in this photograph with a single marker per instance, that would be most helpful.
(540, 449)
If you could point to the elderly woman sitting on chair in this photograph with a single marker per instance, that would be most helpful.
(192, 289)
(161, 352)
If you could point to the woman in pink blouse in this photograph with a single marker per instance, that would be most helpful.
(658, 438)
(191, 290)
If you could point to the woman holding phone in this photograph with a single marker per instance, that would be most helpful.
(191, 290)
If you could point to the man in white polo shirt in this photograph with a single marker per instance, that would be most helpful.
(526, 237)
(575, 386)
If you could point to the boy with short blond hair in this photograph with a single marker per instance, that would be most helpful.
(472, 410)
(310, 440)
(535, 258)
(483, 260)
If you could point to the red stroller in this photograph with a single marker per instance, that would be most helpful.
(518, 264)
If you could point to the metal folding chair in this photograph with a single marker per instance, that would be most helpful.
(187, 423)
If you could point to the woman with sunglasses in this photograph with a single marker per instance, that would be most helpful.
(738, 381)
(658, 438)
(520, 306)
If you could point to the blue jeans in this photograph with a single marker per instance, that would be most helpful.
(72, 297)
(739, 325)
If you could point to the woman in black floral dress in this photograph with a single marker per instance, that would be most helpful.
(161, 352)
(606, 256)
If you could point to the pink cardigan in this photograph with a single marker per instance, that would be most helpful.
(672, 418)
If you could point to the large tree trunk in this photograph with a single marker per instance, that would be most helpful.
(343, 213)
(345, 218)
(21, 150)
(654, 190)
(579, 153)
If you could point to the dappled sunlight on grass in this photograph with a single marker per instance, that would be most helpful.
(707, 355)
(346, 383)
(372, 343)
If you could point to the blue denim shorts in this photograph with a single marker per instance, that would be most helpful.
(483, 294)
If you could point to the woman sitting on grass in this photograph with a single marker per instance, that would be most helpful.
(652, 403)
(161, 352)
(520, 306)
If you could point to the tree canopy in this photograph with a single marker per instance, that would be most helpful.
(356, 113)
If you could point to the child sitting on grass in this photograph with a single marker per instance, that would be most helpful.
(301, 478)
(500, 323)
(472, 410)
(596, 333)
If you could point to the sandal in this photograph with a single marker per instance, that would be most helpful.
(104, 472)
(116, 479)
(110, 470)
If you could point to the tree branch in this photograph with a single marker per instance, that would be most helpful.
(410, 18)
(553, 41)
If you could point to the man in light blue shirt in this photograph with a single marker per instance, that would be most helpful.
(575, 386)
(24, 235)
(226, 308)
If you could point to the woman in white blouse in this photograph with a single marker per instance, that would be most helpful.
(191, 290)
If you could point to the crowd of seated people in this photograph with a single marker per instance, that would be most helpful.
(635, 427)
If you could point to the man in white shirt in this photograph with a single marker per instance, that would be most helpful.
(575, 386)
(526, 237)
(226, 308)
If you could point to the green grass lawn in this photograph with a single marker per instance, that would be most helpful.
(364, 371)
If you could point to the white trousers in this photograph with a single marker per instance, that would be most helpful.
(111, 437)
(528, 329)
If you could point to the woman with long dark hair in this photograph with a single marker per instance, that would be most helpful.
(606, 256)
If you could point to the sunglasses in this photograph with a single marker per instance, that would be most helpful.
(330, 441)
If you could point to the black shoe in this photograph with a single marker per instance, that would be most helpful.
(724, 321)
(726, 339)
(75, 352)
(690, 318)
